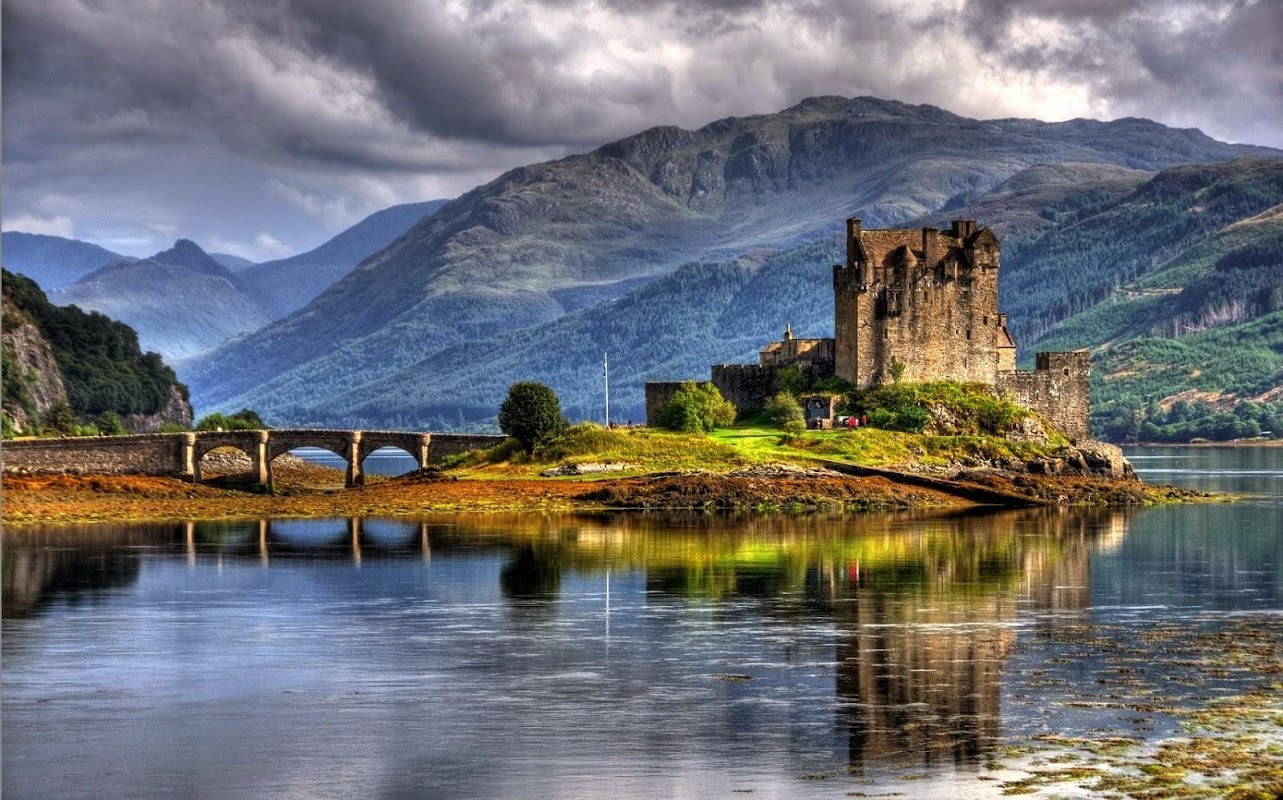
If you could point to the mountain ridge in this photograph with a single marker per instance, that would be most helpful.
(53, 261)
(491, 260)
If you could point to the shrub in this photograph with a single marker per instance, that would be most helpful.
(109, 424)
(696, 408)
(793, 431)
(243, 420)
(62, 420)
(955, 408)
(531, 414)
(784, 408)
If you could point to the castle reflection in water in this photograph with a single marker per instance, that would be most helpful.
(923, 609)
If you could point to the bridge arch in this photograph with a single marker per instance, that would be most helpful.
(415, 445)
(251, 443)
(276, 450)
(344, 444)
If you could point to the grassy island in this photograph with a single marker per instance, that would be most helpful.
(588, 467)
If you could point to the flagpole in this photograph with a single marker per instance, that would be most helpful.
(607, 364)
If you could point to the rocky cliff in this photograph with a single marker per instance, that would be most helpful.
(64, 357)
(176, 411)
(32, 383)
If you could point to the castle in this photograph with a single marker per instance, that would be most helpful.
(915, 306)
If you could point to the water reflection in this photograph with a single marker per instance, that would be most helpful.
(919, 610)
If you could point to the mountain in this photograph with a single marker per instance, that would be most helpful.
(1215, 292)
(52, 261)
(670, 329)
(288, 284)
(505, 256)
(233, 263)
(85, 361)
(1178, 288)
(181, 301)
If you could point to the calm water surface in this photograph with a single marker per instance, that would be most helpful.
(610, 656)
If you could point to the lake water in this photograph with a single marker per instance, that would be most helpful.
(619, 655)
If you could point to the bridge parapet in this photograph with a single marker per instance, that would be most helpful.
(179, 454)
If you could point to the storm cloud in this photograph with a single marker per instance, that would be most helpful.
(257, 126)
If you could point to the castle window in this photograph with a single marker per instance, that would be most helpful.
(986, 319)
(968, 334)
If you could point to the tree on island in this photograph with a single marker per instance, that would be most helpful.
(531, 414)
(696, 408)
(784, 408)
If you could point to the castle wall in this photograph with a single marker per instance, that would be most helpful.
(1058, 388)
(812, 353)
(846, 329)
(939, 330)
(748, 386)
(658, 393)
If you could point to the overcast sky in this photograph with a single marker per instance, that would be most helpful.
(260, 127)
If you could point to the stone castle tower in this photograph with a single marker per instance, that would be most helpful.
(926, 301)
(915, 305)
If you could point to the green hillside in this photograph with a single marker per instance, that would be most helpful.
(98, 358)
(1201, 316)
(502, 257)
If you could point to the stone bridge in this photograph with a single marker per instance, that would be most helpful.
(179, 454)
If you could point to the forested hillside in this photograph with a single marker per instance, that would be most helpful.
(1178, 290)
(97, 359)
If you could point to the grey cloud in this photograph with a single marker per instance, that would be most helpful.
(361, 103)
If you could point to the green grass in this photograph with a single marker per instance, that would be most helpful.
(648, 450)
(643, 449)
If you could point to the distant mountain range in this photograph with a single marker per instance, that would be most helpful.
(290, 283)
(180, 301)
(52, 261)
(184, 301)
(483, 286)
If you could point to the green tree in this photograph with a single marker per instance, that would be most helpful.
(896, 369)
(243, 420)
(109, 424)
(696, 408)
(531, 414)
(61, 419)
(784, 408)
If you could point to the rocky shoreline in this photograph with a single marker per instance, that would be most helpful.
(309, 490)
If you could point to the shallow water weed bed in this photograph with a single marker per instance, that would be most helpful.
(1211, 691)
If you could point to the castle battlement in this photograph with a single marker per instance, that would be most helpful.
(924, 299)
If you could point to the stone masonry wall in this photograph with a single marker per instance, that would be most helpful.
(1058, 388)
(658, 393)
(154, 454)
(448, 444)
(747, 386)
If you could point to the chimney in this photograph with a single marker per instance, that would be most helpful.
(929, 238)
(852, 234)
(963, 228)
